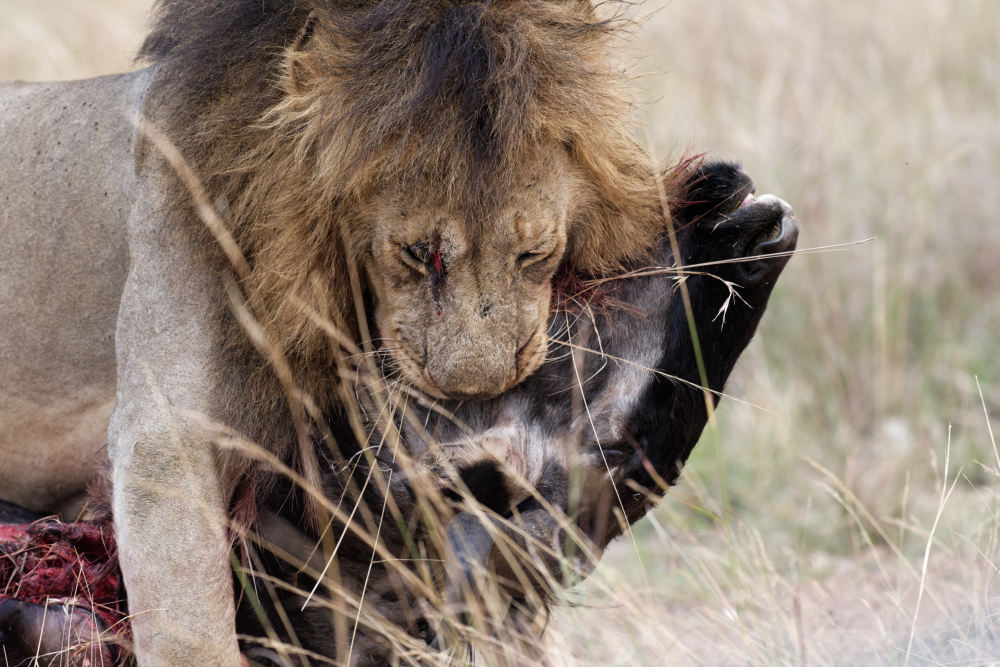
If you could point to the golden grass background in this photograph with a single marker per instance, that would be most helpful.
(855, 521)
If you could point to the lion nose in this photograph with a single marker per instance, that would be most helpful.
(474, 378)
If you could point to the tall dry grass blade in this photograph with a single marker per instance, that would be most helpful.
(989, 427)
(946, 491)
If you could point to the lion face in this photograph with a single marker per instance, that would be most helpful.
(461, 304)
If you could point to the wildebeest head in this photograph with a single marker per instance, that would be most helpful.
(561, 463)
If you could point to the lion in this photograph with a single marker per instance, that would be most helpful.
(174, 238)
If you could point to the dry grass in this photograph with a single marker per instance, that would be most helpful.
(830, 530)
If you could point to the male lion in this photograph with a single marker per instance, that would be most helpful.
(436, 160)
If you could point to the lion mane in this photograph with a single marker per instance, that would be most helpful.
(293, 112)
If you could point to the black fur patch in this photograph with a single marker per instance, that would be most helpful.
(10, 513)
(671, 415)
(488, 485)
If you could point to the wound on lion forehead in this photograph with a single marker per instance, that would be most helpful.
(465, 290)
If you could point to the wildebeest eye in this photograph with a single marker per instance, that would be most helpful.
(612, 454)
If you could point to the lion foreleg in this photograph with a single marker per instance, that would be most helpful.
(174, 553)
(169, 490)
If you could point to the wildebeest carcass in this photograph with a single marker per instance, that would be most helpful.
(449, 525)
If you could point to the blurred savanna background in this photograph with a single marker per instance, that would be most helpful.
(850, 514)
